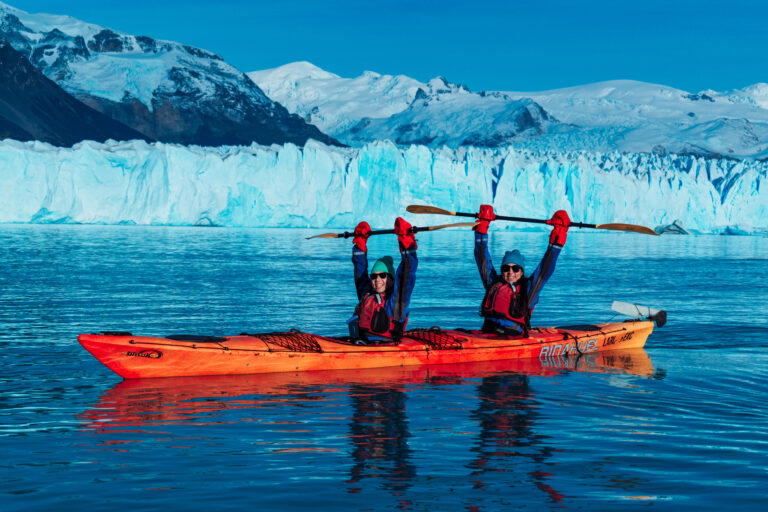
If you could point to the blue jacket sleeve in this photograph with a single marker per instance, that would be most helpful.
(398, 304)
(543, 272)
(360, 262)
(483, 260)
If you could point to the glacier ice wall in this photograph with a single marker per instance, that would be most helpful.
(320, 186)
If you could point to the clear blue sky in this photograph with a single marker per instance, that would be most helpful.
(487, 45)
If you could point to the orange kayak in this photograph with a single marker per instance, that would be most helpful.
(134, 357)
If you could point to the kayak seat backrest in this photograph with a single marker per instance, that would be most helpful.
(196, 338)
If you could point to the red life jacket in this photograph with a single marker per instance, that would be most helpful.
(373, 317)
(502, 300)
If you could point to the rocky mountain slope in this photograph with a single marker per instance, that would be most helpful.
(168, 91)
(32, 107)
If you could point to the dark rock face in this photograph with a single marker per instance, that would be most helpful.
(699, 97)
(32, 107)
(147, 44)
(9, 130)
(228, 119)
(10, 31)
(202, 100)
(107, 41)
(203, 54)
(530, 117)
(55, 42)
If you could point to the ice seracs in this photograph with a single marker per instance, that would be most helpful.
(324, 186)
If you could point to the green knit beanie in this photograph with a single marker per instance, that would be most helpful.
(384, 264)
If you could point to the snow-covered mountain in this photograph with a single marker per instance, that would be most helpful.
(322, 186)
(376, 107)
(620, 115)
(165, 90)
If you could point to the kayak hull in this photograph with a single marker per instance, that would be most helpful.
(134, 357)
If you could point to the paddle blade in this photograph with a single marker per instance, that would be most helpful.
(636, 311)
(628, 227)
(326, 235)
(434, 210)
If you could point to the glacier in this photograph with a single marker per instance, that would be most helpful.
(322, 186)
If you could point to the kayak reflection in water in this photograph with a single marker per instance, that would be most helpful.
(385, 295)
(510, 297)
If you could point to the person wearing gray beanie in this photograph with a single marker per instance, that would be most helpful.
(511, 296)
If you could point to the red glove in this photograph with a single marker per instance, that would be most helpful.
(405, 236)
(485, 216)
(561, 222)
(362, 232)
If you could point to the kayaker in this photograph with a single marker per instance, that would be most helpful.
(511, 296)
(385, 295)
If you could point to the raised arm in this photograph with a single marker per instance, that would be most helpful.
(360, 259)
(482, 256)
(560, 223)
(398, 304)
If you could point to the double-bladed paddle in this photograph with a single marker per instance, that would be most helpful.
(433, 210)
(414, 229)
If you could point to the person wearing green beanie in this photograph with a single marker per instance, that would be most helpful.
(383, 296)
(511, 296)
(384, 264)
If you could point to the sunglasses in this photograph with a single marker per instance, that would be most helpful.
(513, 268)
(379, 275)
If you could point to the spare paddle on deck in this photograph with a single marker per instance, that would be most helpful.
(414, 229)
(636, 311)
(417, 208)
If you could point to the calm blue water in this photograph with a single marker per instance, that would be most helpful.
(685, 428)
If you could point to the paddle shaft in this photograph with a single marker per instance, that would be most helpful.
(414, 229)
(524, 219)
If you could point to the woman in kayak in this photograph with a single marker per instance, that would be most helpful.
(385, 295)
(510, 297)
